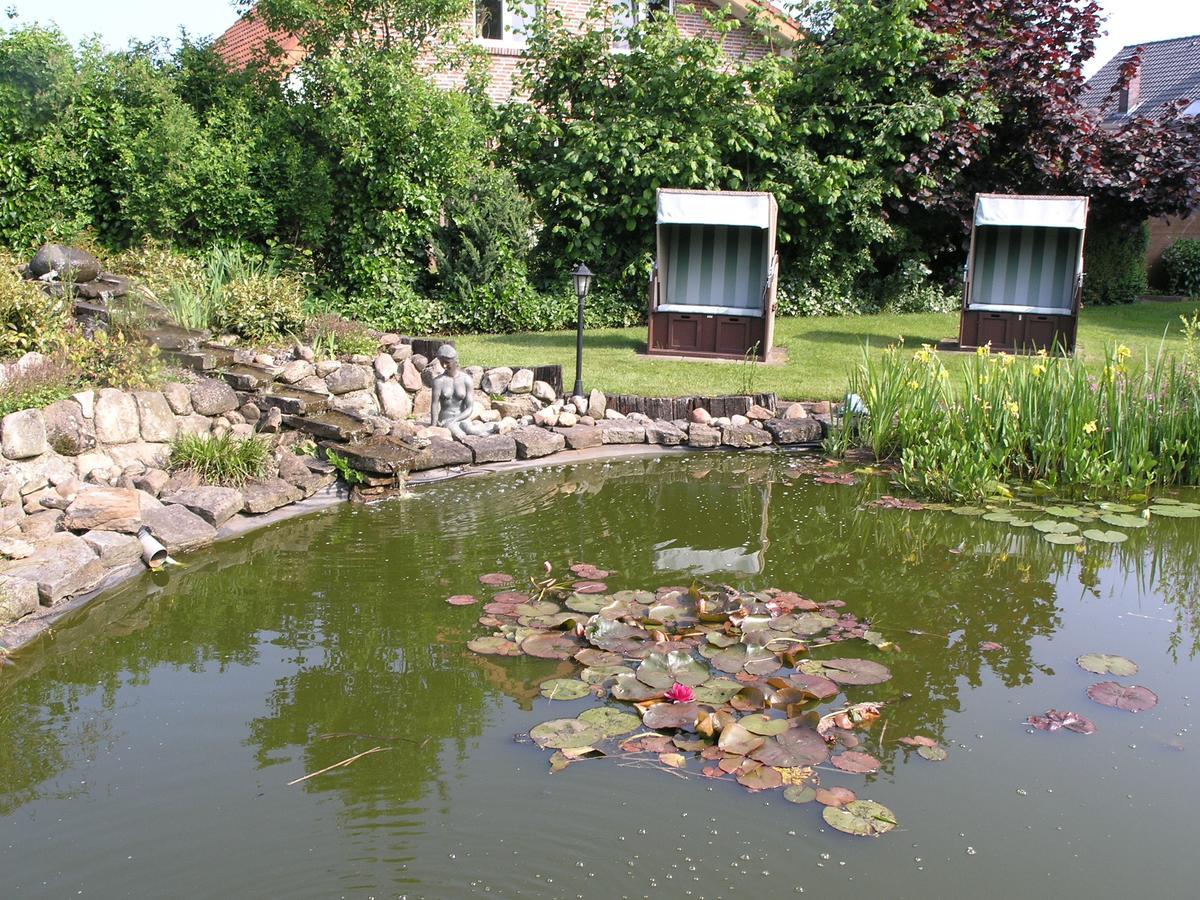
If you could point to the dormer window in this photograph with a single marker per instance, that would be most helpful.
(501, 20)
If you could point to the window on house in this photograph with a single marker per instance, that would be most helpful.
(501, 20)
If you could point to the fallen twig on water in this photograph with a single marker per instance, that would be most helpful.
(344, 762)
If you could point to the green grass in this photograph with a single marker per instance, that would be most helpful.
(224, 460)
(821, 351)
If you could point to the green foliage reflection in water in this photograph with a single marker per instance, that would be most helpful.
(1043, 420)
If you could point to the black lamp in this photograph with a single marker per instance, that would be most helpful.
(582, 277)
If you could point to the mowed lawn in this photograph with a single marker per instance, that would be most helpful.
(821, 351)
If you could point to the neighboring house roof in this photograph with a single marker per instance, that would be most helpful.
(247, 38)
(1169, 71)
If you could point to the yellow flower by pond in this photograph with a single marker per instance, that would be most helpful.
(1090, 427)
(1038, 369)
(1014, 408)
(1123, 353)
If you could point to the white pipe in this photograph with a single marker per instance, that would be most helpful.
(154, 554)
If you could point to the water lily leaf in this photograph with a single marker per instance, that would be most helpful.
(600, 674)
(1107, 664)
(810, 623)
(628, 687)
(674, 760)
(835, 796)
(1064, 539)
(1054, 720)
(721, 639)
(493, 645)
(864, 818)
(856, 762)
(968, 511)
(1132, 698)
(589, 605)
(1105, 537)
(989, 646)
(550, 645)
(998, 516)
(513, 597)
(817, 686)
(1175, 512)
(619, 637)
(645, 598)
(919, 741)
(564, 689)
(496, 579)
(560, 734)
(671, 715)
(461, 600)
(731, 659)
(759, 778)
(718, 691)
(933, 754)
(1063, 512)
(1118, 507)
(1122, 520)
(847, 671)
(662, 670)
(761, 661)
(690, 743)
(749, 699)
(1054, 526)
(800, 793)
(763, 724)
(590, 587)
(803, 745)
(610, 721)
(736, 739)
(590, 656)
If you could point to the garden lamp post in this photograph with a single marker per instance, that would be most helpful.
(582, 276)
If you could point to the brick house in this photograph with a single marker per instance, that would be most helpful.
(1169, 71)
(496, 26)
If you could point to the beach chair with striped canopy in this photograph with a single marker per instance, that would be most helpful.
(1024, 272)
(712, 291)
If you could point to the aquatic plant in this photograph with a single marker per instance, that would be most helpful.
(225, 460)
(1044, 420)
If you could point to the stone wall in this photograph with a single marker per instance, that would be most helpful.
(80, 478)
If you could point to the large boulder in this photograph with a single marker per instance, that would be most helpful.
(296, 370)
(664, 433)
(357, 403)
(178, 397)
(517, 406)
(394, 401)
(265, 494)
(703, 436)
(497, 380)
(597, 404)
(157, 420)
(23, 434)
(116, 417)
(441, 452)
(178, 528)
(491, 448)
(795, 430)
(62, 566)
(104, 509)
(621, 431)
(410, 376)
(212, 398)
(215, 505)
(349, 378)
(522, 382)
(744, 437)
(534, 443)
(63, 263)
(581, 437)
(386, 367)
(114, 549)
(68, 431)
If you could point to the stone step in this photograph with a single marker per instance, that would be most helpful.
(378, 456)
(329, 425)
(244, 377)
(294, 401)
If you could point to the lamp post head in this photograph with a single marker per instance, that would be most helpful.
(583, 280)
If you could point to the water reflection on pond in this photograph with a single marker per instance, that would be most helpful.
(145, 748)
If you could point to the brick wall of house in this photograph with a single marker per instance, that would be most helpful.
(1163, 233)
(504, 60)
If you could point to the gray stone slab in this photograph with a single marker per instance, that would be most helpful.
(581, 437)
(62, 565)
(18, 598)
(265, 494)
(703, 435)
(492, 448)
(114, 549)
(621, 431)
(744, 437)
(534, 443)
(104, 509)
(213, 504)
(439, 453)
(664, 433)
(178, 528)
(795, 431)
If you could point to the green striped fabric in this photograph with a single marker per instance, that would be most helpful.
(716, 266)
(1025, 266)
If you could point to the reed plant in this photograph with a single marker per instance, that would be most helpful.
(223, 460)
(1043, 420)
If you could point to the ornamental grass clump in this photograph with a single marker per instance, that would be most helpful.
(224, 460)
(1044, 420)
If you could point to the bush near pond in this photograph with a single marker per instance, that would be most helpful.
(1181, 262)
(1044, 420)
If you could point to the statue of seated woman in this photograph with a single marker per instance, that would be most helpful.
(453, 402)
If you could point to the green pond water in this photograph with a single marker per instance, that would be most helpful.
(147, 745)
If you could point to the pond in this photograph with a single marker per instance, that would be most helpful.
(146, 746)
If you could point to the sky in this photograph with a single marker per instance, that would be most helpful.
(119, 21)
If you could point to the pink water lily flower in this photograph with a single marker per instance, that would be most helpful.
(680, 693)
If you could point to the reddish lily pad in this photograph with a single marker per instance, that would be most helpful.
(1107, 664)
(1054, 720)
(671, 715)
(835, 796)
(818, 686)
(856, 762)
(918, 741)
(496, 579)
(514, 597)
(590, 656)
(863, 818)
(461, 600)
(759, 778)
(590, 587)
(1131, 698)
(550, 645)
(847, 671)
(989, 646)
(736, 739)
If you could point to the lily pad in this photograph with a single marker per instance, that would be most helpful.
(590, 587)
(1063, 512)
(1111, 507)
(590, 656)
(856, 762)
(461, 600)
(550, 645)
(835, 796)
(1055, 526)
(496, 579)
(718, 691)
(1107, 664)
(800, 793)
(600, 674)
(564, 689)
(662, 670)
(589, 605)
(736, 739)
(629, 688)
(1131, 698)
(562, 734)
(818, 686)
(610, 721)
(1106, 536)
(1175, 512)
(968, 511)
(1063, 539)
(933, 754)
(847, 671)
(492, 645)
(759, 778)
(998, 516)
(803, 745)
(763, 724)
(812, 623)
(1053, 720)
(671, 715)
(864, 818)
(1123, 520)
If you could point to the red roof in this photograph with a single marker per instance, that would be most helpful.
(247, 39)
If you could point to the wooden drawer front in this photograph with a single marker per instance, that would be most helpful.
(733, 334)
(996, 328)
(683, 332)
